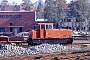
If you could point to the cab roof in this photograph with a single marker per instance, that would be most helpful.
(45, 23)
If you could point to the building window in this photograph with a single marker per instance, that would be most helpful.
(15, 16)
(77, 20)
(2, 16)
(10, 16)
(20, 29)
(2, 29)
(68, 20)
(20, 17)
(7, 16)
(11, 23)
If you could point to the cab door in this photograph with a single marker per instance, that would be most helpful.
(49, 31)
(42, 31)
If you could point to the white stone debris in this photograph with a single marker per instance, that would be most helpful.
(9, 50)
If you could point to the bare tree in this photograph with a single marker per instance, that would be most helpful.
(4, 2)
(55, 11)
(14, 3)
(27, 3)
(40, 5)
(81, 10)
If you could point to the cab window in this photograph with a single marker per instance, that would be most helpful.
(36, 26)
(48, 27)
(42, 27)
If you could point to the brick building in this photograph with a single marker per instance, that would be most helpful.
(16, 21)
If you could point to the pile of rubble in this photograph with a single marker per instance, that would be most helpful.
(9, 50)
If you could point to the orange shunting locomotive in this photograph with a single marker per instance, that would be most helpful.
(45, 33)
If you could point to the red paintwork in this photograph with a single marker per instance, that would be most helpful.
(51, 33)
(11, 39)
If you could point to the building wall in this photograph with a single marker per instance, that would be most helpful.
(16, 19)
(74, 25)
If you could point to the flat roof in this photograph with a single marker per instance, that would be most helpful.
(17, 11)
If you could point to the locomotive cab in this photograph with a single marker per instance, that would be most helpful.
(41, 29)
(43, 26)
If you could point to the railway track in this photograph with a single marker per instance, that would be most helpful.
(77, 45)
(81, 37)
(77, 40)
(83, 45)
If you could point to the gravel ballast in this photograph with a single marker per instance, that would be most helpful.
(9, 50)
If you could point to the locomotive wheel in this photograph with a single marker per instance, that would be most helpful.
(30, 42)
(19, 43)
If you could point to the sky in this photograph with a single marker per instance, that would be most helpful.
(20, 1)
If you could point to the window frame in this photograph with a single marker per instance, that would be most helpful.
(49, 27)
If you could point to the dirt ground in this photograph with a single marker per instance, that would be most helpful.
(53, 56)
